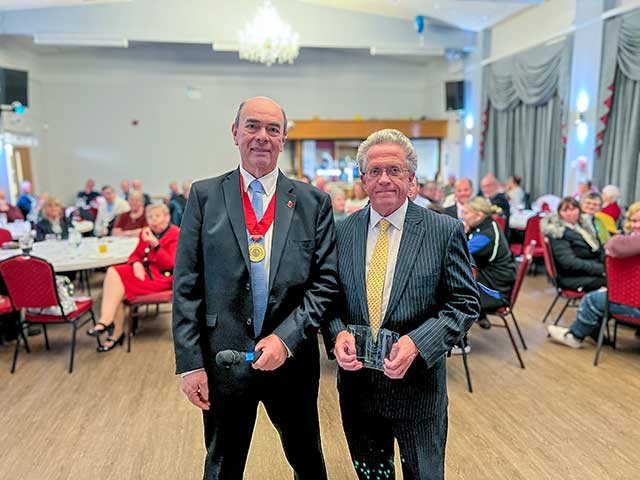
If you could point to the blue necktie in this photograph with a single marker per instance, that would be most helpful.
(258, 269)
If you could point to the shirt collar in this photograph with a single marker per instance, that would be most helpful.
(396, 218)
(268, 181)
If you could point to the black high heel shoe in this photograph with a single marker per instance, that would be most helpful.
(94, 332)
(114, 344)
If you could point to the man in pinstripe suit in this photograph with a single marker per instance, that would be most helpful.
(406, 269)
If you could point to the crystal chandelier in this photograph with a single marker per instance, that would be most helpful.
(267, 39)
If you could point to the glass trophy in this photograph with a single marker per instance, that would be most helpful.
(372, 353)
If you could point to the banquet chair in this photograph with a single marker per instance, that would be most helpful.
(31, 284)
(134, 304)
(571, 296)
(623, 278)
(5, 236)
(507, 311)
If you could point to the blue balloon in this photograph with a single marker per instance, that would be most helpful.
(419, 23)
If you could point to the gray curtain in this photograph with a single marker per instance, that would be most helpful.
(620, 148)
(525, 110)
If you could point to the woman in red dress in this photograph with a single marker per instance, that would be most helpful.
(149, 270)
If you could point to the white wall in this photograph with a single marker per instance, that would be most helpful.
(532, 26)
(91, 100)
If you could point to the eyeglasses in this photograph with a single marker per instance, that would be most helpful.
(376, 172)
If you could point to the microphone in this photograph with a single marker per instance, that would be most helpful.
(227, 358)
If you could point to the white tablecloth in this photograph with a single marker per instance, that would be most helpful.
(518, 220)
(66, 257)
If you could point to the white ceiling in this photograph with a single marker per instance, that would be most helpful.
(466, 14)
(30, 4)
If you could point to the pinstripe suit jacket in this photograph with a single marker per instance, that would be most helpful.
(433, 299)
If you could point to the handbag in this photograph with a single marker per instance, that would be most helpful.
(65, 289)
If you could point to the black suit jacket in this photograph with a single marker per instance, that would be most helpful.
(434, 300)
(452, 210)
(213, 303)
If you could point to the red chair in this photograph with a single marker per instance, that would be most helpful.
(531, 234)
(571, 296)
(623, 278)
(31, 284)
(157, 299)
(505, 312)
(500, 220)
(5, 236)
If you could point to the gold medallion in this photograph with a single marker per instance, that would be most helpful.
(257, 253)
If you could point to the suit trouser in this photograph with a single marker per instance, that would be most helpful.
(293, 410)
(370, 437)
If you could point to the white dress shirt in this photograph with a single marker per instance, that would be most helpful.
(268, 182)
(396, 220)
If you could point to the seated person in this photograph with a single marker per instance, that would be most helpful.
(12, 212)
(137, 186)
(490, 251)
(130, 224)
(610, 206)
(359, 198)
(590, 205)
(53, 221)
(149, 270)
(576, 250)
(87, 196)
(591, 309)
(338, 203)
(110, 206)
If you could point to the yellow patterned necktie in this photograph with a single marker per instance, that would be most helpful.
(376, 276)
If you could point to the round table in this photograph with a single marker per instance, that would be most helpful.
(66, 257)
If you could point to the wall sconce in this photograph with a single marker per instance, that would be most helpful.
(468, 127)
(582, 105)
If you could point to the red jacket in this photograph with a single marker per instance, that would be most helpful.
(158, 261)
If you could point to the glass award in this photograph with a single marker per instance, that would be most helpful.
(372, 353)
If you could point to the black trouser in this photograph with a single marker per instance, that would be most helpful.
(370, 438)
(292, 406)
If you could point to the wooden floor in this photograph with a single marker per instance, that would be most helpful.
(122, 416)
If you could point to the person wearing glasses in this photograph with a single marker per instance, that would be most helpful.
(407, 269)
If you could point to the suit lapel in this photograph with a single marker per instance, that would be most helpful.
(233, 202)
(285, 207)
(412, 236)
(360, 259)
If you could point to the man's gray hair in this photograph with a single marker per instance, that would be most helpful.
(237, 120)
(388, 136)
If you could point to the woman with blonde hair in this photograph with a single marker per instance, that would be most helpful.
(53, 221)
(148, 270)
(491, 254)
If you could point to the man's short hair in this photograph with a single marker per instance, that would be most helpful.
(237, 120)
(104, 187)
(388, 136)
(591, 196)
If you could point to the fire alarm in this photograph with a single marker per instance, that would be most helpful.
(134, 123)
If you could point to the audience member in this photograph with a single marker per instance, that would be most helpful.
(591, 309)
(590, 206)
(137, 186)
(490, 191)
(126, 188)
(177, 203)
(610, 195)
(338, 203)
(515, 193)
(149, 270)
(426, 194)
(109, 207)
(305, 179)
(11, 212)
(131, 223)
(186, 188)
(26, 200)
(490, 251)
(462, 193)
(359, 198)
(576, 250)
(87, 196)
(53, 221)
(450, 186)
(584, 186)
(320, 183)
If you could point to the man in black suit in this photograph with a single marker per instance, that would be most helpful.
(406, 269)
(489, 189)
(462, 191)
(255, 270)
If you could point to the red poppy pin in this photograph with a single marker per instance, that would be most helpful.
(289, 204)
